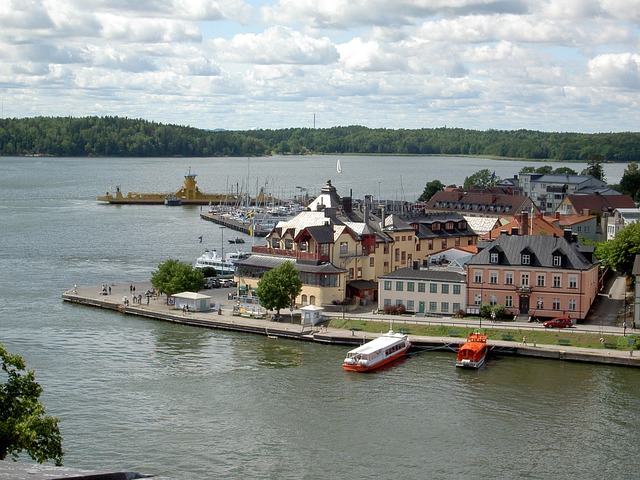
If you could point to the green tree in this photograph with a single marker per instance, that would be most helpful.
(620, 253)
(430, 190)
(279, 287)
(480, 179)
(594, 167)
(561, 170)
(24, 425)
(174, 276)
(630, 182)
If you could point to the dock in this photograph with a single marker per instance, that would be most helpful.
(236, 225)
(224, 319)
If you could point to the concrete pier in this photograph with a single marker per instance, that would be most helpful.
(158, 309)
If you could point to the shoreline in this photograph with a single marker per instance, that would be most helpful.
(224, 320)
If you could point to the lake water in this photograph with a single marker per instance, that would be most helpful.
(191, 403)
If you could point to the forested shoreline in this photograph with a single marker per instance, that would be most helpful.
(126, 137)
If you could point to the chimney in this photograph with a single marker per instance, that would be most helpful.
(556, 215)
(366, 214)
(585, 212)
(514, 231)
(524, 223)
(567, 234)
(382, 215)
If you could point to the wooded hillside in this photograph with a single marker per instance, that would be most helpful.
(119, 136)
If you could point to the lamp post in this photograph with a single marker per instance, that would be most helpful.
(481, 297)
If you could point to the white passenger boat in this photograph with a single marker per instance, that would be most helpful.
(226, 266)
(377, 352)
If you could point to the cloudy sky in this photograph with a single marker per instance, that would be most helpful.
(551, 65)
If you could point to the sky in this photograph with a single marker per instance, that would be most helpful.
(548, 65)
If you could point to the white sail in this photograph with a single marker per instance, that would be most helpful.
(338, 166)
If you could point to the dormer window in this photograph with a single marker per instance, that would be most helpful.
(494, 257)
(525, 259)
(557, 261)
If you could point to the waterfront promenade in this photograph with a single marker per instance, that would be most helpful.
(224, 319)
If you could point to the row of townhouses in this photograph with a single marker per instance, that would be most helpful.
(459, 250)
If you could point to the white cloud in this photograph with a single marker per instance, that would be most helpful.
(551, 64)
(616, 70)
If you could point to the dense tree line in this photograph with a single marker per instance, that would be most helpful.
(120, 136)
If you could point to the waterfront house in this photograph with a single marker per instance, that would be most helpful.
(424, 291)
(533, 275)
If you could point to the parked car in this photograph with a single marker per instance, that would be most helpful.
(212, 283)
(560, 322)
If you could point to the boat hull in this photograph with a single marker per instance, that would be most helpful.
(473, 353)
(368, 368)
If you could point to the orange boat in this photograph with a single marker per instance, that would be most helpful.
(376, 353)
(473, 353)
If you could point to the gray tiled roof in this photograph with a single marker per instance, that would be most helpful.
(541, 248)
(272, 261)
(425, 274)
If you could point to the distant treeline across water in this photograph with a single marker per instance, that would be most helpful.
(125, 137)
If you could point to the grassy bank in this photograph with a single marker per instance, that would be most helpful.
(541, 337)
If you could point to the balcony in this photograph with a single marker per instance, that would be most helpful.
(524, 289)
(308, 257)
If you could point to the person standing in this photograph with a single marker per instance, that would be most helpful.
(624, 328)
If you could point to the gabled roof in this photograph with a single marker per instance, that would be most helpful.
(569, 220)
(541, 247)
(600, 203)
(564, 178)
(320, 233)
(482, 225)
(394, 223)
(328, 198)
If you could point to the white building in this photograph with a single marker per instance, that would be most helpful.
(621, 218)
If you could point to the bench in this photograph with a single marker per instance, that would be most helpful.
(507, 336)
(404, 330)
(564, 341)
(454, 333)
(610, 345)
(355, 328)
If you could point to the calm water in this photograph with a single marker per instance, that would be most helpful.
(197, 404)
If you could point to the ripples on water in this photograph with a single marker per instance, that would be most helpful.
(139, 395)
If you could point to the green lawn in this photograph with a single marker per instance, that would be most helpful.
(547, 337)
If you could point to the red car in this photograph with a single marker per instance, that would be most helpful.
(558, 323)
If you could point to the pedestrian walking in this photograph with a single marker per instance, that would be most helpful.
(624, 328)
(524, 341)
(109, 289)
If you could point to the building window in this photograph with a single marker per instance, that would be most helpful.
(372, 261)
(433, 288)
(493, 278)
(404, 257)
(508, 278)
(477, 299)
(387, 302)
(477, 276)
(572, 305)
(557, 261)
(312, 299)
(524, 279)
(525, 259)
(493, 300)
(493, 258)
(557, 281)
(444, 307)
(556, 304)
(430, 245)
(304, 300)
(539, 303)
(456, 307)
(443, 243)
(573, 281)
(351, 273)
(433, 306)
(410, 305)
(359, 272)
(387, 284)
(540, 280)
(456, 289)
(399, 286)
(398, 302)
(457, 242)
(411, 286)
(275, 243)
(288, 244)
(444, 288)
(508, 301)
(397, 255)
(421, 287)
